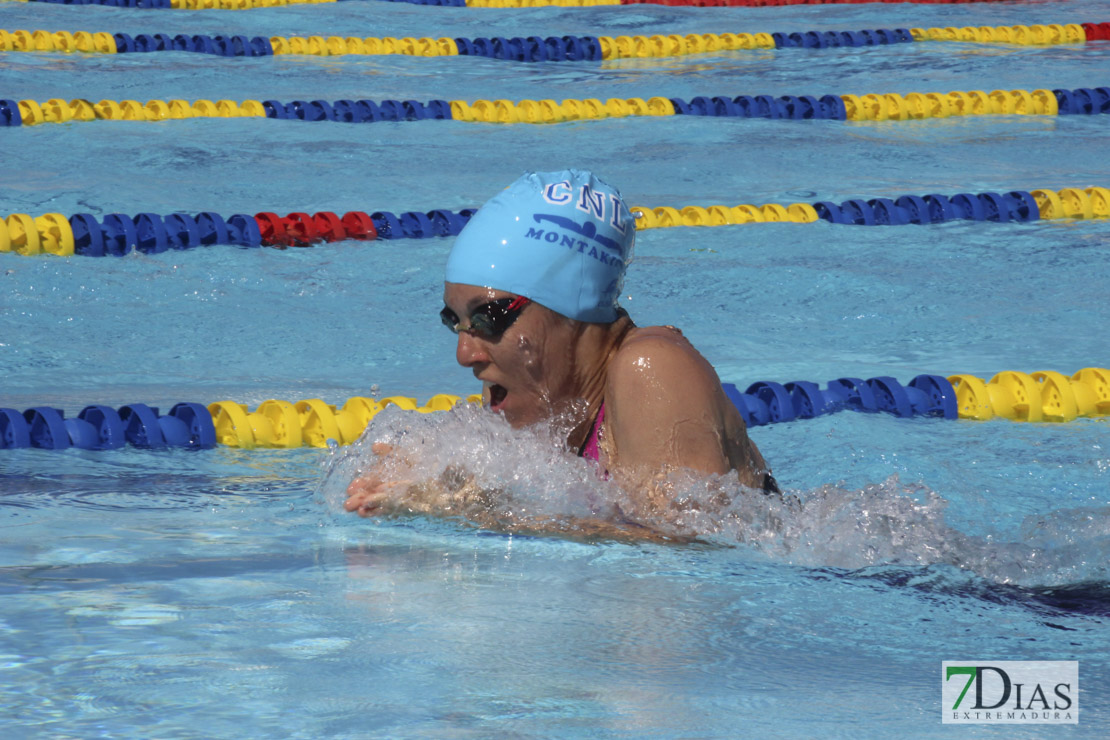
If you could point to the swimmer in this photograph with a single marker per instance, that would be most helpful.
(531, 290)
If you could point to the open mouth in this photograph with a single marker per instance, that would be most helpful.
(497, 395)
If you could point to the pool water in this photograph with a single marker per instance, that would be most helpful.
(223, 593)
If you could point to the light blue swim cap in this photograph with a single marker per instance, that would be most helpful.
(562, 239)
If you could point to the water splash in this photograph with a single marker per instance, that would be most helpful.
(531, 483)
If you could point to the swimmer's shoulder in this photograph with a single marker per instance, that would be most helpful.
(653, 340)
(652, 358)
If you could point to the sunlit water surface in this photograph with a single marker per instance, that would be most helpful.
(223, 593)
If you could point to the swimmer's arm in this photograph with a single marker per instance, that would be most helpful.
(455, 494)
(369, 497)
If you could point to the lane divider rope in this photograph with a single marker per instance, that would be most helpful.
(1016, 205)
(672, 3)
(1041, 396)
(118, 234)
(540, 49)
(870, 107)
(186, 4)
(253, 4)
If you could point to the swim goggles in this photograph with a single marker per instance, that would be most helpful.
(490, 320)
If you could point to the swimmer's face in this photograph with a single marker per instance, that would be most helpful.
(526, 372)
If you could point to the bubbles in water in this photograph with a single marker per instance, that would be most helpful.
(471, 465)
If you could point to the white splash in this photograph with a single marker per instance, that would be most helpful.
(534, 483)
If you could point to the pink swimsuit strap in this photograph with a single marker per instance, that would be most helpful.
(591, 450)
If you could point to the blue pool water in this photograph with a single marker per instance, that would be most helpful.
(221, 593)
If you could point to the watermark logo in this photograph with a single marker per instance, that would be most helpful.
(1010, 692)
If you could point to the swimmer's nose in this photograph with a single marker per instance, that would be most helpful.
(470, 350)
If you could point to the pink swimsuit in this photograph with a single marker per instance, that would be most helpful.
(591, 450)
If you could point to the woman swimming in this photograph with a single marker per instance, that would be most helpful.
(531, 290)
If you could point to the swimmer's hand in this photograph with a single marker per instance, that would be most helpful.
(372, 495)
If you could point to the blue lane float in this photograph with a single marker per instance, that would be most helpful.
(99, 427)
(790, 107)
(117, 234)
(832, 39)
(145, 4)
(1016, 205)
(1083, 101)
(358, 111)
(768, 402)
(533, 48)
(224, 46)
